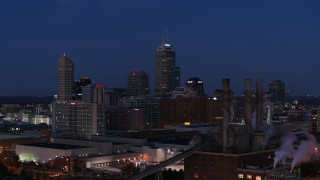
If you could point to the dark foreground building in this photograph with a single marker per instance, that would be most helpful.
(220, 166)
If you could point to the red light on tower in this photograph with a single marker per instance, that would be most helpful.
(101, 86)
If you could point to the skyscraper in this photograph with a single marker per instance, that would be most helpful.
(78, 118)
(75, 117)
(138, 84)
(85, 80)
(165, 70)
(178, 72)
(196, 84)
(277, 91)
(278, 95)
(94, 93)
(66, 78)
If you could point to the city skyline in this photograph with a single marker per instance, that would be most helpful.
(212, 40)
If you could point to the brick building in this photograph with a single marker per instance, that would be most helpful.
(182, 109)
(213, 166)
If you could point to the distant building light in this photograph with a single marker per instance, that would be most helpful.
(196, 176)
(240, 176)
(187, 123)
(215, 98)
(167, 45)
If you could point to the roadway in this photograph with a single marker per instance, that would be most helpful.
(164, 164)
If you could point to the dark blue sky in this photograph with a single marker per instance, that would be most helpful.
(107, 39)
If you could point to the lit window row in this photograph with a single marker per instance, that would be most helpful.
(249, 176)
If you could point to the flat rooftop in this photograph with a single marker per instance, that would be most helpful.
(88, 140)
(119, 143)
(178, 141)
(17, 136)
(55, 146)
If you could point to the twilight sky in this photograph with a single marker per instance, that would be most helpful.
(106, 39)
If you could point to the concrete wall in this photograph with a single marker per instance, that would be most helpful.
(106, 160)
(104, 147)
(134, 141)
(151, 154)
(121, 148)
(39, 154)
(174, 147)
(85, 151)
(137, 149)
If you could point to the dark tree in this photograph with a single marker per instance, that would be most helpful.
(3, 169)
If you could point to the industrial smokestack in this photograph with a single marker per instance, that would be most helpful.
(226, 112)
(248, 101)
(259, 103)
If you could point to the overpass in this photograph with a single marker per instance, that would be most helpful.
(164, 164)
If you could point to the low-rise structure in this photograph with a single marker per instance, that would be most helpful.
(43, 152)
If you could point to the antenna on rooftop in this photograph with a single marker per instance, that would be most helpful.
(167, 35)
(163, 34)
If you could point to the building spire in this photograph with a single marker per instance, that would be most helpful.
(167, 36)
(163, 35)
(64, 54)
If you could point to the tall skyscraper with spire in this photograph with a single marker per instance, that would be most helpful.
(66, 78)
(165, 70)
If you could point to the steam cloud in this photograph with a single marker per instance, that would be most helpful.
(194, 141)
(305, 151)
(254, 121)
(286, 150)
(268, 131)
(300, 147)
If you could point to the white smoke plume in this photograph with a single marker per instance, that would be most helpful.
(286, 150)
(254, 121)
(300, 147)
(306, 150)
(268, 131)
(196, 140)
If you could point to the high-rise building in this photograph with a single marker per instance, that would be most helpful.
(94, 93)
(114, 96)
(315, 120)
(278, 95)
(75, 117)
(278, 91)
(178, 72)
(125, 118)
(138, 84)
(150, 107)
(183, 109)
(165, 70)
(215, 108)
(85, 80)
(196, 84)
(66, 78)
(78, 118)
